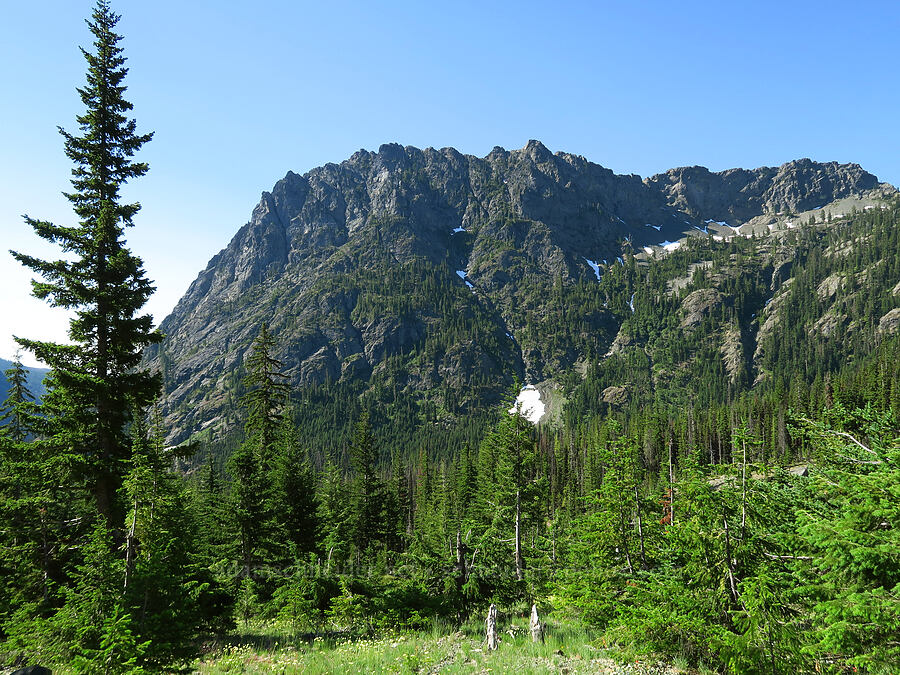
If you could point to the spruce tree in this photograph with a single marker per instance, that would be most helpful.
(95, 381)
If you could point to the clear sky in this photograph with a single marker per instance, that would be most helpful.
(238, 93)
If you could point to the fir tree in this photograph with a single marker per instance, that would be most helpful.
(95, 381)
(17, 411)
(250, 466)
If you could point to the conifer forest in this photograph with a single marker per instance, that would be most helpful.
(716, 486)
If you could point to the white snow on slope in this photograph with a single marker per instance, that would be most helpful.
(529, 404)
(457, 230)
(462, 275)
(655, 227)
(631, 303)
(665, 245)
(594, 266)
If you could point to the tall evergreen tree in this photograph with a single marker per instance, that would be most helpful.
(17, 410)
(369, 489)
(251, 494)
(95, 382)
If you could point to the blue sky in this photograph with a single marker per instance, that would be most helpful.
(239, 93)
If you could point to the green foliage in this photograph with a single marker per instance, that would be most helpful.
(118, 652)
(855, 549)
(95, 381)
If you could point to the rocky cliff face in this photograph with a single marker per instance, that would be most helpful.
(429, 270)
(736, 196)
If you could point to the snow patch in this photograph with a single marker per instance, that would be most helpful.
(631, 303)
(462, 275)
(457, 230)
(665, 245)
(529, 404)
(704, 229)
(595, 267)
(655, 227)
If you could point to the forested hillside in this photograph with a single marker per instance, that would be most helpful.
(428, 281)
(715, 484)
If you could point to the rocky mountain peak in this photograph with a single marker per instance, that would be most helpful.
(738, 195)
(335, 261)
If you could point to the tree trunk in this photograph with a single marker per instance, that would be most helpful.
(729, 561)
(744, 490)
(461, 572)
(537, 630)
(490, 625)
(637, 505)
(625, 542)
(520, 563)
(671, 487)
(129, 545)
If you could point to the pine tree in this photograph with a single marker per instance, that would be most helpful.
(95, 381)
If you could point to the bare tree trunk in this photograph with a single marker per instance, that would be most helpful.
(129, 545)
(637, 505)
(729, 562)
(671, 487)
(744, 491)
(553, 532)
(45, 555)
(461, 571)
(520, 563)
(490, 625)
(537, 630)
(625, 542)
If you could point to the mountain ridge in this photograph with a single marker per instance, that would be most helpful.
(495, 237)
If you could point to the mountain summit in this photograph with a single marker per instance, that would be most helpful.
(442, 276)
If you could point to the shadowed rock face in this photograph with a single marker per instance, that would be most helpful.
(319, 247)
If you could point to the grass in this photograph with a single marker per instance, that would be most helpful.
(568, 648)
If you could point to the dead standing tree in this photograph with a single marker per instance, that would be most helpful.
(490, 625)
(535, 626)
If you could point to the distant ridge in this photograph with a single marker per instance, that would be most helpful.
(35, 380)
